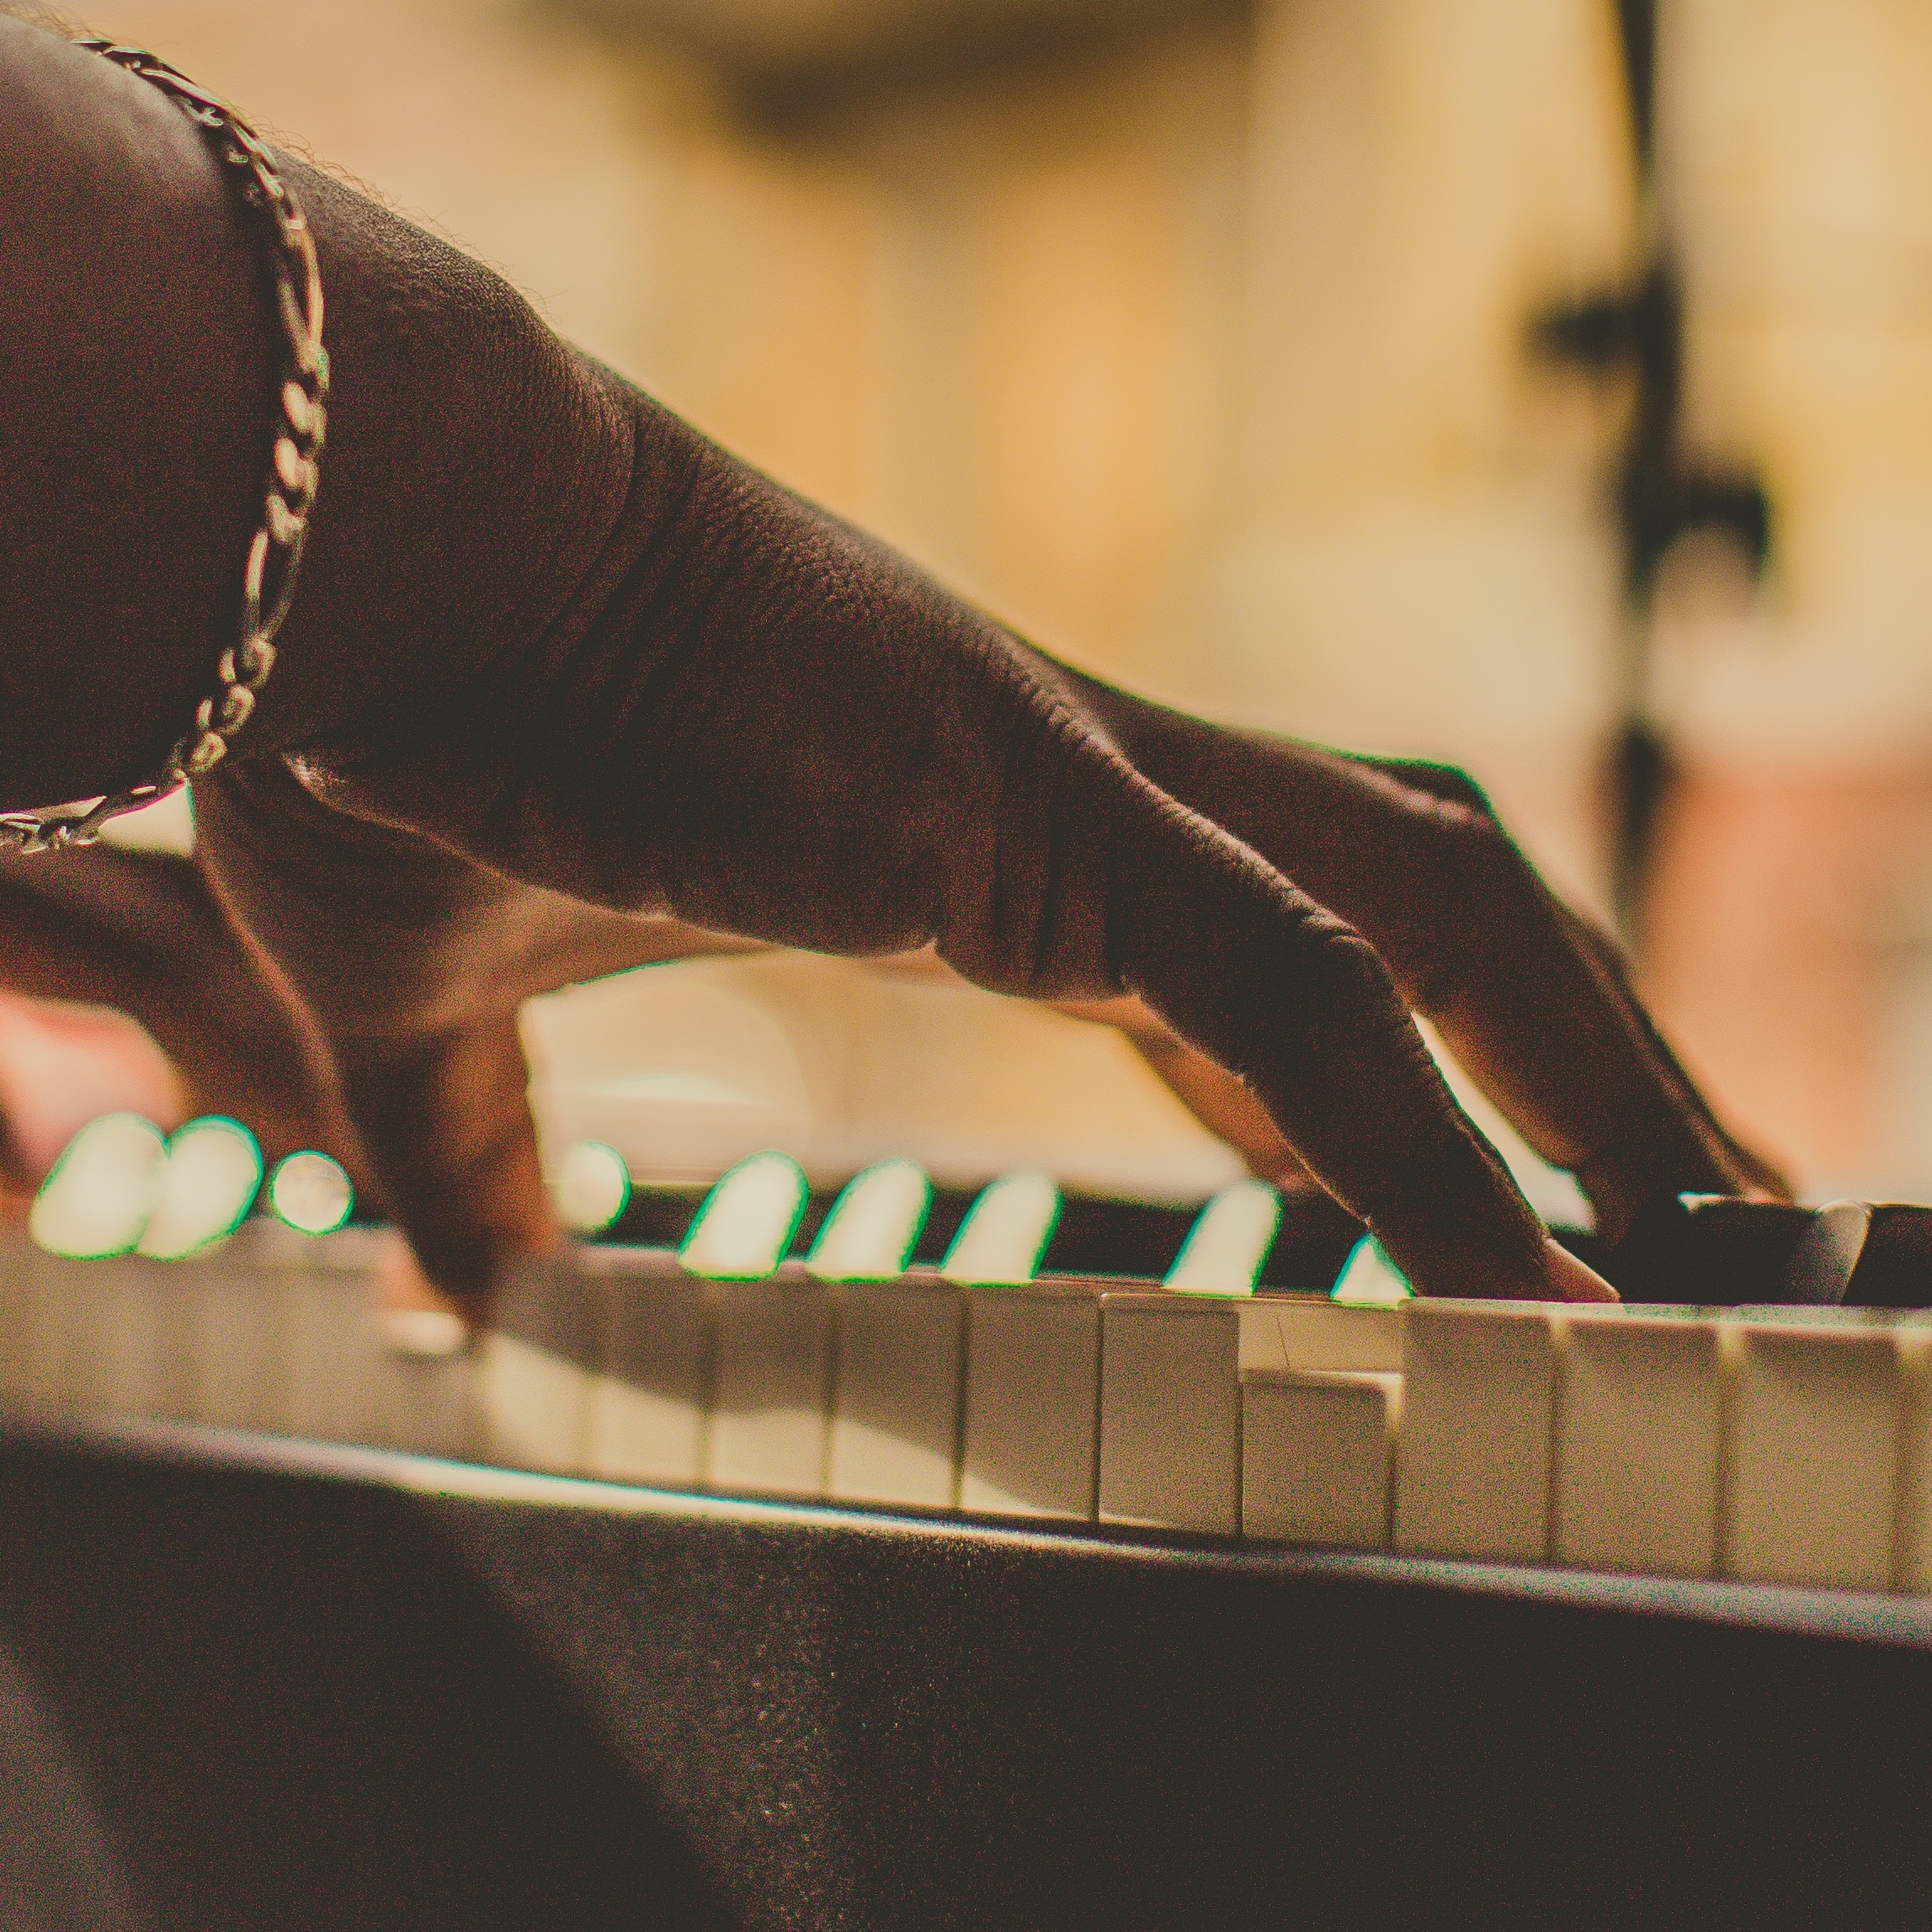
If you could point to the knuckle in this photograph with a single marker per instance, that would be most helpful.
(1445, 784)
(1347, 970)
(1465, 841)
(1029, 915)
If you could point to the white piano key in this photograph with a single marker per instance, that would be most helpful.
(873, 1225)
(1224, 1248)
(1005, 1234)
(240, 1327)
(648, 1409)
(365, 1371)
(1639, 1446)
(1317, 1453)
(337, 1355)
(276, 1244)
(341, 1352)
(424, 1398)
(35, 1347)
(1030, 1427)
(746, 1220)
(772, 1340)
(19, 1317)
(1815, 1436)
(1473, 1474)
(537, 1365)
(127, 1342)
(1369, 1279)
(1170, 1412)
(1280, 1332)
(1915, 1519)
(895, 1414)
(423, 1334)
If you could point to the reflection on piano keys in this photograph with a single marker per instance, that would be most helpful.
(1030, 1427)
(1776, 1444)
(1820, 1417)
(649, 1406)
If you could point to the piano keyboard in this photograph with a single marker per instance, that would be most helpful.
(1780, 1444)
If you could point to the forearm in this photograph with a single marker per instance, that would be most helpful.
(132, 396)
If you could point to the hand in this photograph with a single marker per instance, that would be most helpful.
(551, 645)
(141, 933)
(1533, 1000)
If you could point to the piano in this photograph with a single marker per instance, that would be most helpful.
(697, 1594)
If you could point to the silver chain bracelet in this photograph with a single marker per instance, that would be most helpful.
(275, 552)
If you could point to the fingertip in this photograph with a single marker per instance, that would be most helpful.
(412, 1312)
(1569, 1279)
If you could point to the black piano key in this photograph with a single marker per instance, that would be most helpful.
(1094, 1236)
(1894, 1264)
(1707, 1251)
(1697, 1250)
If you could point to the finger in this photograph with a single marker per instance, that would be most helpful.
(1762, 1177)
(63, 1065)
(399, 1286)
(447, 1122)
(1274, 987)
(1611, 967)
(1671, 1140)
(141, 932)
(369, 925)
(416, 964)
(1222, 1103)
(1475, 940)
(1573, 1281)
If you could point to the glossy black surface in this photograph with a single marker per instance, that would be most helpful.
(1697, 1251)
(1704, 1251)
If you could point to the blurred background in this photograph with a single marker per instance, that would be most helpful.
(1546, 389)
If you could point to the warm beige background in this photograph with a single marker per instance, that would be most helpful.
(1195, 349)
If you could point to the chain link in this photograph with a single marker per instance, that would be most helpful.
(295, 456)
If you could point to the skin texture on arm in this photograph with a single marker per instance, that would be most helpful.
(551, 645)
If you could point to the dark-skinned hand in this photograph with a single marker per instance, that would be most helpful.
(565, 682)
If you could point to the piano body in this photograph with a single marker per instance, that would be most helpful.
(262, 1678)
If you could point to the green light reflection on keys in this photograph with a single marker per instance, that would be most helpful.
(1369, 1279)
(1004, 1235)
(747, 1220)
(214, 1173)
(873, 1225)
(1228, 1243)
(97, 1199)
